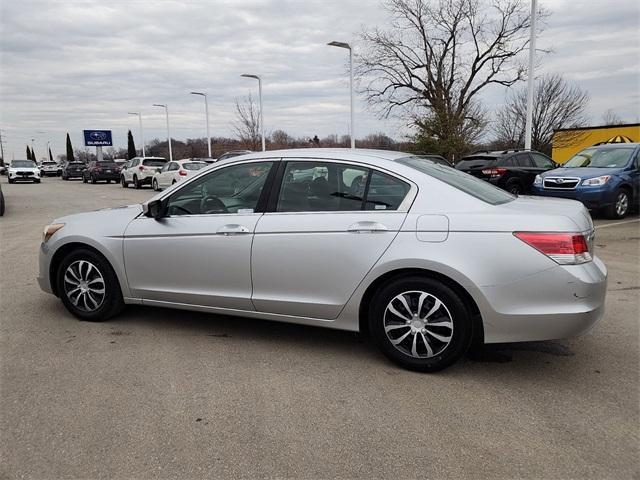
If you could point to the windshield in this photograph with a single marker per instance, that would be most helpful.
(194, 165)
(23, 164)
(48, 163)
(76, 164)
(600, 158)
(462, 181)
(156, 162)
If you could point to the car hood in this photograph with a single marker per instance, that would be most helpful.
(580, 172)
(106, 222)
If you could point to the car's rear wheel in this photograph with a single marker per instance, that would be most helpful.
(514, 186)
(420, 324)
(93, 179)
(620, 207)
(123, 182)
(136, 183)
(88, 286)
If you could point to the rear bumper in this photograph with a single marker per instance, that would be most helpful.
(561, 302)
(107, 176)
(592, 197)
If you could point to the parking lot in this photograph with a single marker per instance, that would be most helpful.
(175, 394)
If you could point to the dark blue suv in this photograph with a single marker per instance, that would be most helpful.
(603, 177)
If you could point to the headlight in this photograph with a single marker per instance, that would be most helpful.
(49, 230)
(597, 181)
(538, 180)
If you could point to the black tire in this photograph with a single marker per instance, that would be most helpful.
(123, 182)
(1, 204)
(108, 181)
(136, 183)
(10, 181)
(36, 181)
(443, 355)
(514, 186)
(93, 180)
(64, 177)
(154, 185)
(621, 204)
(84, 179)
(112, 302)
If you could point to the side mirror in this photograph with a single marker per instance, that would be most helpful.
(154, 209)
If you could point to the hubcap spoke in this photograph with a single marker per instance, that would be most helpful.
(435, 307)
(399, 340)
(426, 344)
(438, 336)
(393, 310)
(405, 304)
(389, 328)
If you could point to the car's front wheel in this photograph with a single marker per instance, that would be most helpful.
(620, 207)
(155, 185)
(420, 323)
(123, 182)
(88, 286)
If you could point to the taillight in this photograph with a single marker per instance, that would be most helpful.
(494, 172)
(141, 168)
(562, 248)
(182, 173)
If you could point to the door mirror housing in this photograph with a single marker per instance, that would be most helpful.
(154, 209)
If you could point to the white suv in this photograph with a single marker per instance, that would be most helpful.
(140, 171)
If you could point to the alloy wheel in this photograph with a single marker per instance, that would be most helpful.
(418, 324)
(622, 204)
(84, 285)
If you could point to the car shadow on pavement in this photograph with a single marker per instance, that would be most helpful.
(310, 340)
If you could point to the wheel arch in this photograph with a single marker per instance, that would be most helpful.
(379, 282)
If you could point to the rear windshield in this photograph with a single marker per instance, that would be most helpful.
(475, 162)
(194, 165)
(605, 157)
(156, 162)
(76, 164)
(106, 164)
(23, 164)
(462, 181)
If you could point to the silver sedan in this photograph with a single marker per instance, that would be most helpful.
(425, 258)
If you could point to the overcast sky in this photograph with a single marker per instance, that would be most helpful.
(79, 64)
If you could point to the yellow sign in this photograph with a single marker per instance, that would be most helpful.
(567, 142)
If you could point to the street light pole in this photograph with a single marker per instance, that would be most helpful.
(166, 111)
(351, 123)
(257, 77)
(139, 114)
(532, 54)
(206, 112)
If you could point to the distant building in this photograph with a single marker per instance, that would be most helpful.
(569, 141)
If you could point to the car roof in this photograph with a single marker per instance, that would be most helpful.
(338, 153)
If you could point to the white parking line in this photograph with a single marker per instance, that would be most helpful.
(617, 223)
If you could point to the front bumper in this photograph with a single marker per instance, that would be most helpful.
(560, 302)
(592, 197)
(26, 176)
(44, 261)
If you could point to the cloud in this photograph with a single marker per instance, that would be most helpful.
(67, 65)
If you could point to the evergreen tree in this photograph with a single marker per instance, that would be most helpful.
(33, 155)
(28, 153)
(50, 155)
(131, 146)
(70, 157)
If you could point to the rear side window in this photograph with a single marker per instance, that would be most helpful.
(541, 161)
(462, 181)
(522, 160)
(385, 192)
(327, 186)
(154, 162)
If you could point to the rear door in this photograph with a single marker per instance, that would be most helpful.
(327, 224)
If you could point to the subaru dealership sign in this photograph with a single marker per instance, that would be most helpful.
(97, 138)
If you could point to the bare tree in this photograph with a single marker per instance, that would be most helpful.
(247, 124)
(435, 59)
(610, 117)
(557, 104)
(281, 139)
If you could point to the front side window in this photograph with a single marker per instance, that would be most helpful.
(541, 161)
(330, 187)
(233, 189)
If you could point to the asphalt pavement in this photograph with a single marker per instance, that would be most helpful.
(158, 393)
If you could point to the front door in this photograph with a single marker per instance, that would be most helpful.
(329, 226)
(200, 252)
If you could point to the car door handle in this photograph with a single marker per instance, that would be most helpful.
(233, 229)
(367, 227)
